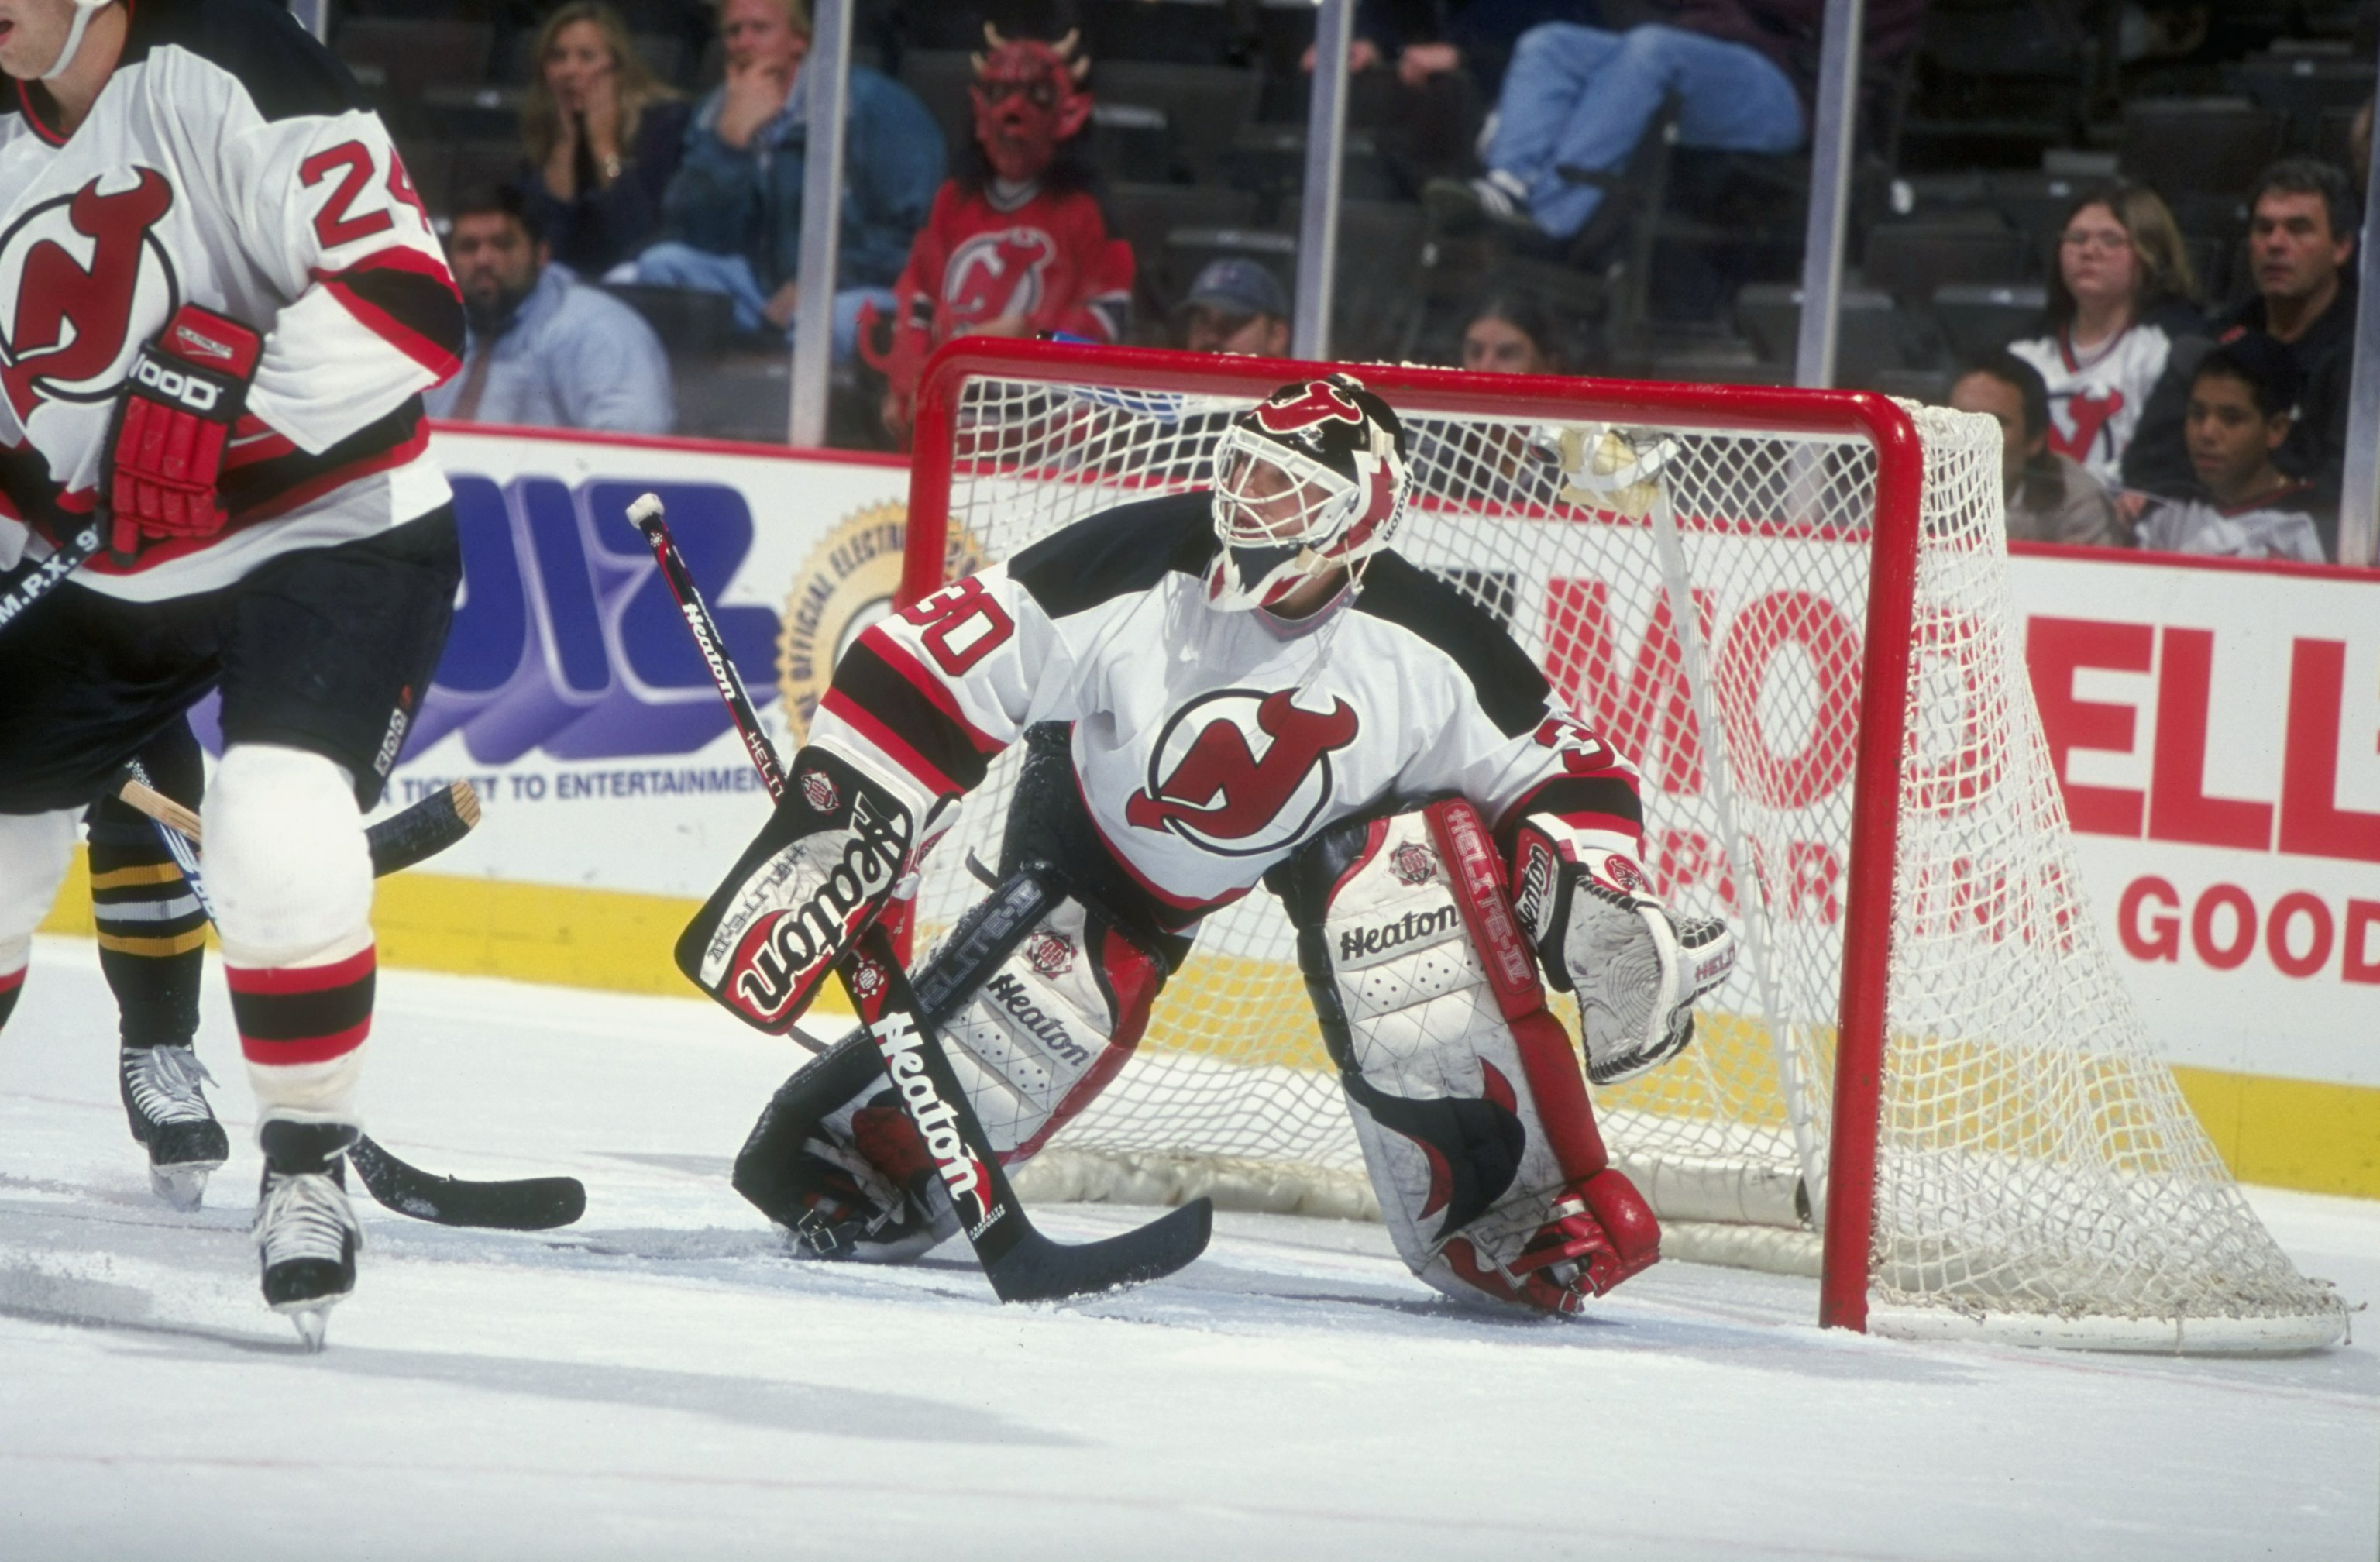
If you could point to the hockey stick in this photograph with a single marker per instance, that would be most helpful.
(1022, 1264)
(528, 1204)
(422, 830)
(46, 575)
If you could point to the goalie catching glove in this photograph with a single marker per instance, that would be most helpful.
(819, 873)
(166, 453)
(1600, 933)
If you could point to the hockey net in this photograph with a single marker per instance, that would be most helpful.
(2034, 1173)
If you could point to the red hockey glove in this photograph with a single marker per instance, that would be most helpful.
(166, 453)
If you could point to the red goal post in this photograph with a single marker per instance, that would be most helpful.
(1850, 542)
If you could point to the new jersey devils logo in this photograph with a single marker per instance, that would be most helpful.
(1219, 792)
(997, 273)
(83, 282)
(1318, 403)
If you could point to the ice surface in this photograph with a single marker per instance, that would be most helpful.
(660, 1381)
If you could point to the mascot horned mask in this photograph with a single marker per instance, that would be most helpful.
(1028, 97)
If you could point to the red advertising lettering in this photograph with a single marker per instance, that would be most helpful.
(2220, 899)
(2361, 962)
(2179, 809)
(1645, 710)
(2158, 938)
(2055, 649)
(2312, 824)
(1748, 659)
(2287, 909)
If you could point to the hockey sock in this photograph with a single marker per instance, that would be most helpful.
(152, 929)
(291, 879)
(302, 1030)
(11, 983)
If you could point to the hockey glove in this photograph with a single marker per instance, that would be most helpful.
(817, 874)
(173, 419)
(1600, 933)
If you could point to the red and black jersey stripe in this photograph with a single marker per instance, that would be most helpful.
(905, 704)
(1592, 802)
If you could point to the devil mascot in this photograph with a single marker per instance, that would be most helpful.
(1015, 246)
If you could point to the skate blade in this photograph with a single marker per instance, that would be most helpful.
(312, 1320)
(183, 1187)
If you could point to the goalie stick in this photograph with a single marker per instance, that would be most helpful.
(45, 576)
(528, 1204)
(422, 830)
(1022, 1264)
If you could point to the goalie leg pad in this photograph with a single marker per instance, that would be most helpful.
(1467, 1094)
(1032, 1040)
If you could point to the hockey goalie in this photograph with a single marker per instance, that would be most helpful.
(1217, 691)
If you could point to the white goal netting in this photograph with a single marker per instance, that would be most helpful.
(2038, 1177)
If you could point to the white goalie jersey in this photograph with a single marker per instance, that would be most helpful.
(1210, 744)
(230, 163)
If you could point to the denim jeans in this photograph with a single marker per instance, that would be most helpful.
(672, 265)
(1579, 97)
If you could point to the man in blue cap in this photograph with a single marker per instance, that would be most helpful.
(1236, 305)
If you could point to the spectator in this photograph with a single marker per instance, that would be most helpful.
(2246, 506)
(2051, 497)
(2303, 218)
(603, 138)
(1509, 333)
(1576, 100)
(1016, 245)
(1235, 305)
(732, 217)
(539, 347)
(2121, 294)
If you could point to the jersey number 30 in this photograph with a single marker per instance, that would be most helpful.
(963, 624)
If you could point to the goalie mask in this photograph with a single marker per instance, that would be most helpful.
(1309, 480)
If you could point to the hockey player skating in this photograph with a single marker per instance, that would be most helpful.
(220, 300)
(1217, 691)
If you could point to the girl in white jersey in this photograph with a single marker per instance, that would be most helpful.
(2121, 295)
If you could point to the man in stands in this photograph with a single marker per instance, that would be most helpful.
(732, 216)
(1218, 689)
(2245, 505)
(1577, 99)
(542, 348)
(2050, 497)
(2304, 220)
(1236, 305)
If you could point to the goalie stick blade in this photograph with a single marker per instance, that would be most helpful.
(1038, 1269)
(528, 1204)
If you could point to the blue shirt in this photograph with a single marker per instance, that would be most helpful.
(573, 356)
(748, 200)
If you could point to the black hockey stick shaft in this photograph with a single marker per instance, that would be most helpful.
(645, 513)
(1022, 1264)
(528, 1204)
(45, 576)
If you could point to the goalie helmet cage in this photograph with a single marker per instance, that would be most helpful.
(1924, 1084)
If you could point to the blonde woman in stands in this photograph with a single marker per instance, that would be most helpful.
(603, 136)
(2120, 296)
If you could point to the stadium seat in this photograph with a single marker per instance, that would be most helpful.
(1867, 339)
(2197, 147)
(690, 322)
(1912, 259)
(1978, 317)
(1204, 105)
(2303, 89)
(412, 55)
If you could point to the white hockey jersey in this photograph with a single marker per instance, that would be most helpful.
(1211, 744)
(2095, 398)
(229, 161)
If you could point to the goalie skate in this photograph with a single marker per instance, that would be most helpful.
(167, 1112)
(306, 1233)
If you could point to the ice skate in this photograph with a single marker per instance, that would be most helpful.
(168, 1114)
(306, 1234)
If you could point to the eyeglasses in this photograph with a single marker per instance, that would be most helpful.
(2113, 242)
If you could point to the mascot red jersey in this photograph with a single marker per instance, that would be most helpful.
(1008, 250)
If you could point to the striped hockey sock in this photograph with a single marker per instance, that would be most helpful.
(302, 1030)
(151, 939)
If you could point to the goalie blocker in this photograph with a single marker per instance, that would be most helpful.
(1466, 1095)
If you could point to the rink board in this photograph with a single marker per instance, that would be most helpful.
(2217, 726)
